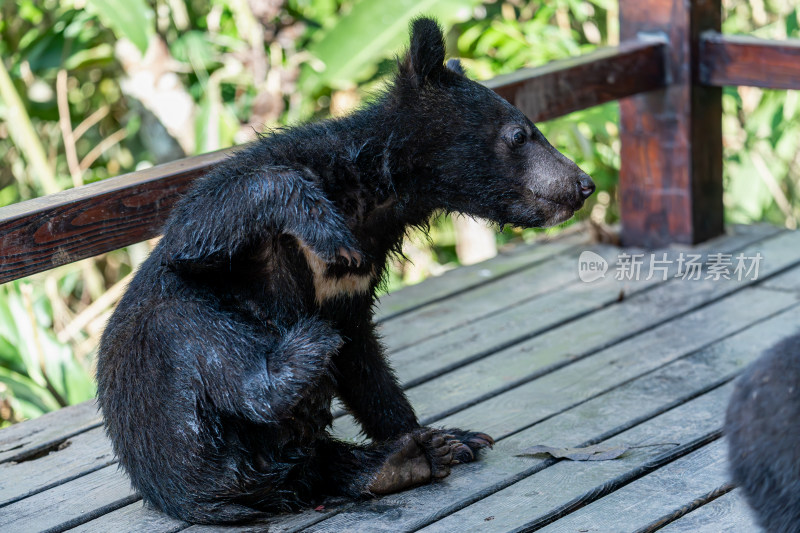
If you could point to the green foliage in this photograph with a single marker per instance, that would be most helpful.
(350, 47)
(762, 127)
(37, 372)
(131, 19)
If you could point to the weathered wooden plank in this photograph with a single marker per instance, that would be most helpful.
(47, 432)
(588, 416)
(747, 60)
(88, 451)
(462, 319)
(616, 364)
(568, 85)
(70, 504)
(688, 507)
(646, 499)
(728, 513)
(670, 183)
(465, 278)
(788, 281)
(501, 330)
(701, 370)
(135, 517)
(438, 317)
(503, 370)
(61, 228)
(509, 326)
(101, 498)
(138, 517)
(471, 340)
(715, 364)
(279, 524)
(552, 491)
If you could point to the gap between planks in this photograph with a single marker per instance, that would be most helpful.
(730, 512)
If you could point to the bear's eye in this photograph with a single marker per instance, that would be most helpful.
(518, 138)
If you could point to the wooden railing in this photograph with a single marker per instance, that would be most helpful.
(667, 74)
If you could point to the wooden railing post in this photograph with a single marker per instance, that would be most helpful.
(671, 157)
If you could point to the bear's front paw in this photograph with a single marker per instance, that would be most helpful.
(469, 442)
(338, 250)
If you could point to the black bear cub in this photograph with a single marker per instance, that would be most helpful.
(763, 430)
(217, 370)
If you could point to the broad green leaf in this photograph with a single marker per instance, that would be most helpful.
(373, 29)
(8, 329)
(786, 147)
(216, 123)
(36, 398)
(132, 19)
(9, 356)
(793, 22)
(747, 194)
(91, 57)
(194, 47)
(28, 11)
(25, 334)
(45, 52)
(79, 382)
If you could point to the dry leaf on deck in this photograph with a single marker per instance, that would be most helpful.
(596, 452)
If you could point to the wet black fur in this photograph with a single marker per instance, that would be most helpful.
(763, 429)
(217, 369)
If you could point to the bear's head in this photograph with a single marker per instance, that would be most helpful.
(476, 153)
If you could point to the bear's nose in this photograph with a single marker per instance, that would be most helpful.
(585, 186)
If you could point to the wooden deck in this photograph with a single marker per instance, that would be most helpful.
(520, 348)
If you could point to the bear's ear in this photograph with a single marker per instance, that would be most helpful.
(425, 57)
(455, 66)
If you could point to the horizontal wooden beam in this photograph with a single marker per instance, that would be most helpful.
(745, 60)
(561, 87)
(61, 228)
(43, 233)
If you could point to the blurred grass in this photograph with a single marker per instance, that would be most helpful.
(95, 88)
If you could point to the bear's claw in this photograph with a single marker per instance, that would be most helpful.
(351, 256)
(469, 442)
